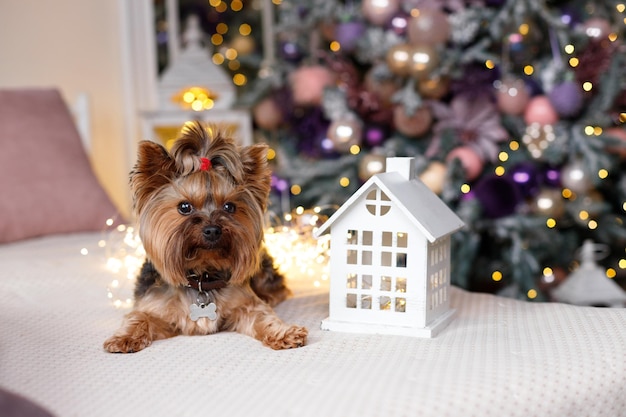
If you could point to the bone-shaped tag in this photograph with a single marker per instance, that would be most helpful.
(197, 311)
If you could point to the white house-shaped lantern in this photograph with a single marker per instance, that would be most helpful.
(390, 257)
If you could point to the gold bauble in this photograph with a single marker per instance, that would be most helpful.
(423, 60)
(399, 59)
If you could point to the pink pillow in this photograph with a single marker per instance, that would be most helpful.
(46, 182)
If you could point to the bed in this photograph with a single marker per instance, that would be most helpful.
(498, 357)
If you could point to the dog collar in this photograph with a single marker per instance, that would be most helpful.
(206, 282)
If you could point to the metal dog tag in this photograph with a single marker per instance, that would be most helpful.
(203, 307)
(203, 310)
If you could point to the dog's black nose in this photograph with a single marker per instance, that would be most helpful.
(212, 233)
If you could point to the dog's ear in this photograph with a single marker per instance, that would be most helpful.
(257, 174)
(154, 168)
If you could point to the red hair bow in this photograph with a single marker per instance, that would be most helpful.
(205, 164)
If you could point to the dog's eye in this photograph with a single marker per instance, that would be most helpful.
(229, 207)
(185, 208)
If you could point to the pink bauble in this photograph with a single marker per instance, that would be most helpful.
(412, 125)
(429, 27)
(345, 132)
(597, 28)
(470, 160)
(267, 114)
(308, 83)
(540, 110)
(512, 95)
(379, 12)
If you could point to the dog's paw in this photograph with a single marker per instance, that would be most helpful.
(125, 344)
(290, 337)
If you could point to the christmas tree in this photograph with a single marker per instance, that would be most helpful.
(514, 109)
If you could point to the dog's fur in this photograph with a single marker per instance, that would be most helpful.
(199, 220)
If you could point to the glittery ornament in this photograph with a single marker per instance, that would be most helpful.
(470, 161)
(567, 99)
(548, 202)
(311, 128)
(344, 133)
(594, 60)
(428, 27)
(512, 95)
(371, 164)
(498, 196)
(537, 138)
(412, 125)
(574, 176)
(540, 111)
(379, 12)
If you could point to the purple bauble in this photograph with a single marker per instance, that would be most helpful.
(570, 16)
(348, 34)
(498, 196)
(279, 184)
(399, 23)
(290, 51)
(526, 176)
(567, 99)
(552, 177)
(310, 127)
(374, 135)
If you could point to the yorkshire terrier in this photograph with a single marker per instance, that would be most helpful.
(200, 209)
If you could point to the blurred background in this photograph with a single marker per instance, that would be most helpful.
(514, 109)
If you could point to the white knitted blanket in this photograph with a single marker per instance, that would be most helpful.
(498, 357)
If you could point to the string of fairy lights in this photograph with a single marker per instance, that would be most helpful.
(298, 255)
